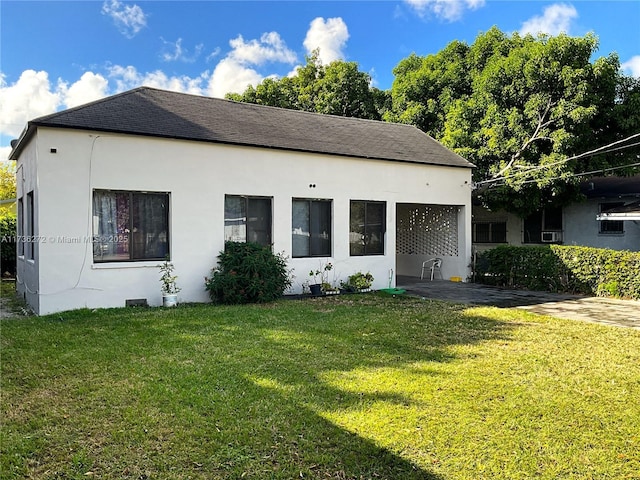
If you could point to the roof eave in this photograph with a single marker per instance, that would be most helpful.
(23, 140)
(33, 125)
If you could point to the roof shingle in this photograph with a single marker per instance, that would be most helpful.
(158, 113)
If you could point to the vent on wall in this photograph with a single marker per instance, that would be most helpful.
(136, 302)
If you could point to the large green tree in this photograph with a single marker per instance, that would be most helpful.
(519, 107)
(338, 88)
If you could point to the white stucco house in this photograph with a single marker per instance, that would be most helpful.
(108, 189)
(608, 217)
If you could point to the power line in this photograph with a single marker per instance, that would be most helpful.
(600, 150)
(582, 174)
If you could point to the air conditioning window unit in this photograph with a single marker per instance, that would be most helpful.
(551, 237)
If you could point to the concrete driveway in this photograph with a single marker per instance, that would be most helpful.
(620, 313)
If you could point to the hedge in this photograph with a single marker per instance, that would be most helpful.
(558, 268)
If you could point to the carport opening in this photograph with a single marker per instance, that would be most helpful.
(424, 231)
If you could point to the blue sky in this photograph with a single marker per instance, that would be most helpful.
(56, 55)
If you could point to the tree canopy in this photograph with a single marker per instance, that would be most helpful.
(523, 109)
(335, 89)
(7, 180)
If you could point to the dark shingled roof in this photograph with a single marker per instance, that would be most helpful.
(158, 113)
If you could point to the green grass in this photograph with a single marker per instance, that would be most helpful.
(361, 386)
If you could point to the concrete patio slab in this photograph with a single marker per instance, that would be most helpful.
(620, 313)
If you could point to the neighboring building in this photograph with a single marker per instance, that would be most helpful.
(107, 189)
(586, 223)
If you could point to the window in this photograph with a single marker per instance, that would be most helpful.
(30, 228)
(490, 232)
(611, 226)
(20, 227)
(130, 226)
(311, 228)
(247, 219)
(367, 226)
(545, 220)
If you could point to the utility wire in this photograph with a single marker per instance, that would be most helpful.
(600, 150)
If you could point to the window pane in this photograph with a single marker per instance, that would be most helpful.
(19, 225)
(482, 233)
(553, 218)
(300, 228)
(111, 226)
(320, 228)
(375, 228)
(130, 226)
(499, 232)
(150, 226)
(611, 226)
(367, 228)
(533, 228)
(259, 221)
(235, 219)
(357, 228)
(30, 227)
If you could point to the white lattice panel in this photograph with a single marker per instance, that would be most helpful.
(428, 230)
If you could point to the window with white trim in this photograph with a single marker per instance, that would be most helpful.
(311, 228)
(130, 226)
(367, 227)
(247, 219)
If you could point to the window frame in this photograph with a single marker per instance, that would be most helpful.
(365, 226)
(130, 240)
(310, 202)
(606, 227)
(492, 231)
(247, 199)
(29, 237)
(20, 227)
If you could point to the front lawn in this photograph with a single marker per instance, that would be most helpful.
(360, 386)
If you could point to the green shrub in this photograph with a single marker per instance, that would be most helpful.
(8, 226)
(248, 273)
(361, 281)
(558, 268)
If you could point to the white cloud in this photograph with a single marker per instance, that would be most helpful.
(90, 87)
(555, 19)
(34, 95)
(450, 10)
(214, 54)
(129, 19)
(270, 48)
(29, 97)
(632, 66)
(231, 76)
(237, 70)
(174, 51)
(329, 36)
(4, 153)
(128, 77)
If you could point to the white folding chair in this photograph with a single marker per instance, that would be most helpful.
(436, 266)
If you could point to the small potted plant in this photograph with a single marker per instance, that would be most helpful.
(320, 278)
(168, 284)
(361, 282)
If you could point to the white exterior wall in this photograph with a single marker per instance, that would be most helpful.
(27, 281)
(198, 175)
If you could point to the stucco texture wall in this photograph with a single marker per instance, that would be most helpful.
(198, 176)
